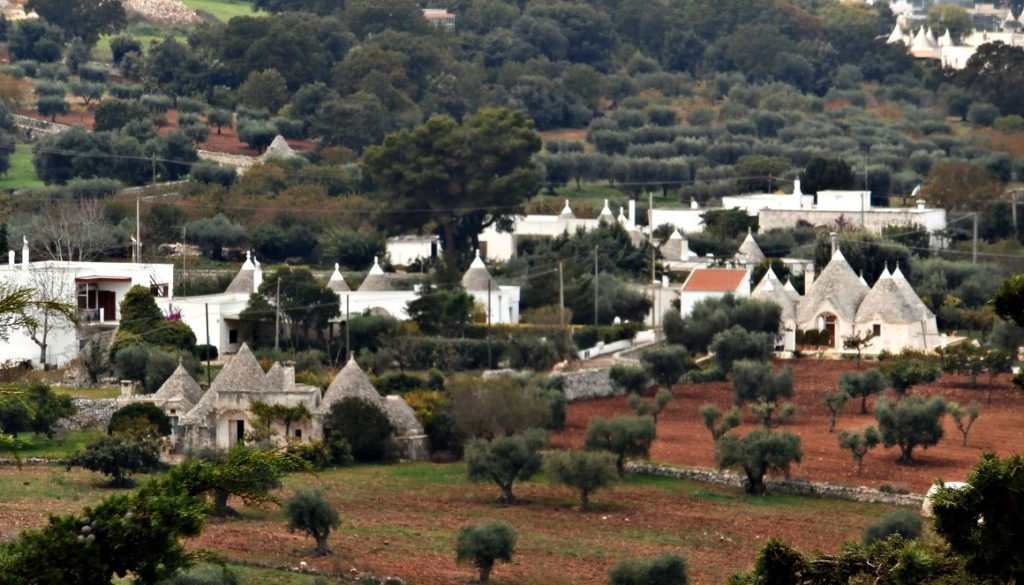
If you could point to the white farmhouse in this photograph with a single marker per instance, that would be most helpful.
(95, 288)
(703, 283)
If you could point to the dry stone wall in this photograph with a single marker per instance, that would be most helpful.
(784, 486)
(92, 414)
(588, 383)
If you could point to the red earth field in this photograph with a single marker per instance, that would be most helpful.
(683, 439)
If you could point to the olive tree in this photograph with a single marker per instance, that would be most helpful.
(584, 471)
(757, 453)
(905, 373)
(964, 418)
(485, 544)
(664, 569)
(649, 408)
(666, 364)
(504, 460)
(309, 511)
(861, 385)
(859, 444)
(629, 379)
(912, 422)
(835, 402)
(717, 422)
(758, 384)
(624, 436)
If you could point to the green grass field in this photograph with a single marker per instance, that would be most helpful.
(61, 445)
(222, 9)
(21, 174)
(90, 392)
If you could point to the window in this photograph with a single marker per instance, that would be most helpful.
(160, 290)
(876, 329)
(298, 433)
(233, 336)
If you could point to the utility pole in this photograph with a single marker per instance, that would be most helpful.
(206, 307)
(138, 233)
(595, 285)
(277, 317)
(348, 324)
(561, 297)
(1013, 210)
(974, 247)
(489, 361)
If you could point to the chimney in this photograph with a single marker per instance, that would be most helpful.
(920, 203)
(632, 214)
(664, 281)
(694, 204)
(24, 253)
(796, 187)
(808, 277)
(257, 274)
(10, 257)
(835, 242)
(288, 369)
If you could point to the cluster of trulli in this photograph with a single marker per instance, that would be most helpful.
(841, 302)
(222, 415)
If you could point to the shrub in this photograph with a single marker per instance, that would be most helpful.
(365, 427)
(207, 352)
(862, 385)
(213, 173)
(906, 523)
(206, 575)
(630, 379)
(664, 569)
(139, 418)
(982, 114)
(485, 544)
(309, 511)
(119, 456)
(666, 364)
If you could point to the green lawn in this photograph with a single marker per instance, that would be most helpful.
(89, 392)
(61, 445)
(222, 9)
(21, 174)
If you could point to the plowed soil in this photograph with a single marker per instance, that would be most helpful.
(682, 438)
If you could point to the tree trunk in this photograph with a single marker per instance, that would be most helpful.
(507, 497)
(620, 465)
(485, 572)
(321, 545)
(860, 465)
(906, 453)
(832, 423)
(584, 500)
(863, 403)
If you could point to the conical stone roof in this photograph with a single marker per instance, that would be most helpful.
(375, 280)
(771, 289)
(839, 286)
(351, 382)
(278, 149)
(244, 281)
(337, 281)
(896, 36)
(566, 212)
(886, 303)
(477, 277)
(402, 416)
(179, 386)
(921, 310)
(606, 213)
(749, 252)
(792, 290)
(672, 249)
(243, 373)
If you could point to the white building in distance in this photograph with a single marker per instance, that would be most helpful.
(94, 288)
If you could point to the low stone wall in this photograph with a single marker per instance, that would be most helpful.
(92, 414)
(588, 383)
(784, 486)
(241, 162)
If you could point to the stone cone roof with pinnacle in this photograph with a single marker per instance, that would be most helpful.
(886, 303)
(477, 277)
(566, 212)
(351, 382)
(839, 285)
(606, 213)
(375, 280)
(278, 149)
(179, 386)
(771, 289)
(672, 249)
(749, 251)
(244, 281)
(242, 374)
(337, 281)
(921, 310)
(792, 290)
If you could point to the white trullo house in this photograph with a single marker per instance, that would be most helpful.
(842, 304)
(223, 415)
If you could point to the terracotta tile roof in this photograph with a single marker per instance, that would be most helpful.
(714, 280)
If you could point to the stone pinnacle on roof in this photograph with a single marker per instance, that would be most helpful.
(337, 282)
(622, 215)
(477, 277)
(796, 187)
(896, 36)
(244, 281)
(946, 40)
(375, 280)
(861, 278)
(606, 212)
(566, 212)
(675, 235)
(837, 284)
